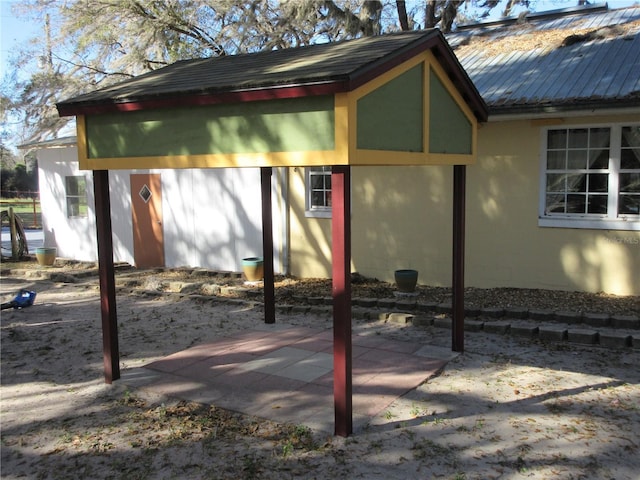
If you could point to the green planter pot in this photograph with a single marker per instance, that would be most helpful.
(46, 256)
(253, 268)
(406, 280)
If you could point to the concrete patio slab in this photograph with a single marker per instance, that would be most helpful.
(285, 374)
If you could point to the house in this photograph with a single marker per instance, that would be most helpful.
(552, 202)
(209, 218)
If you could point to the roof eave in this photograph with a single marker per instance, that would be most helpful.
(187, 99)
(588, 107)
(61, 142)
(460, 78)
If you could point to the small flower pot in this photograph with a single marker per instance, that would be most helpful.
(406, 280)
(46, 256)
(253, 268)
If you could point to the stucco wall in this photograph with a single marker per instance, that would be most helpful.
(402, 218)
(310, 238)
(390, 229)
(502, 207)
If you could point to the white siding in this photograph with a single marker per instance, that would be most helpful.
(211, 217)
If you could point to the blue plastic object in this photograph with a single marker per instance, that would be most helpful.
(24, 299)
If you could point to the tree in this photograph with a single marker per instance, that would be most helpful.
(19, 181)
(90, 44)
(7, 158)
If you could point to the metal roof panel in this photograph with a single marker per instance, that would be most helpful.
(515, 65)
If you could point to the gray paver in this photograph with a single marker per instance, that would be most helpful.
(596, 319)
(498, 326)
(552, 333)
(523, 330)
(589, 337)
(473, 325)
(615, 340)
(625, 321)
(440, 322)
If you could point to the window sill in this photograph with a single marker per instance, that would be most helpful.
(318, 213)
(593, 224)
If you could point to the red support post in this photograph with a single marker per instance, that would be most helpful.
(110, 349)
(267, 246)
(457, 330)
(341, 274)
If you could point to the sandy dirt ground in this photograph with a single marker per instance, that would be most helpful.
(507, 408)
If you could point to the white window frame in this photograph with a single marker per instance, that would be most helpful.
(76, 200)
(609, 221)
(310, 210)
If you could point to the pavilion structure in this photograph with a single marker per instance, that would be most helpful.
(396, 100)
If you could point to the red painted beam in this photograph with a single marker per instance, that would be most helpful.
(173, 100)
(457, 330)
(110, 349)
(267, 246)
(341, 269)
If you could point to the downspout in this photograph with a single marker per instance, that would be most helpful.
(282, 187)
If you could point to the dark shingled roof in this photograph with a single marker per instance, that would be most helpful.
(568, 59)
(312, 70)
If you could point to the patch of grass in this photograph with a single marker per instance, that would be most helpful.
(500, 359)
(558, 406)
(427, 449)
(287, 449)
(376, 445)
(129, 399)
(479, 425)
(416, 411)
(435, 421)
(250, 467)
(519, 464)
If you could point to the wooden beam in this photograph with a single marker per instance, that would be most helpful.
(200, 99)
(13, 231)
(457, 330)
(267, 246)
(341, 269)
(110, 349)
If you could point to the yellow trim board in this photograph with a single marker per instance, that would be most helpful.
(455, 94)
(81, 139)
(453, 91)
(343, 129)
(387, 76)
(277, 159)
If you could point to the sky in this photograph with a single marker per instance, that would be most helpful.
(15, 31)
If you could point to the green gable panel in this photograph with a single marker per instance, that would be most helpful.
(289, 125)
(449, 129)
(391, 117)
